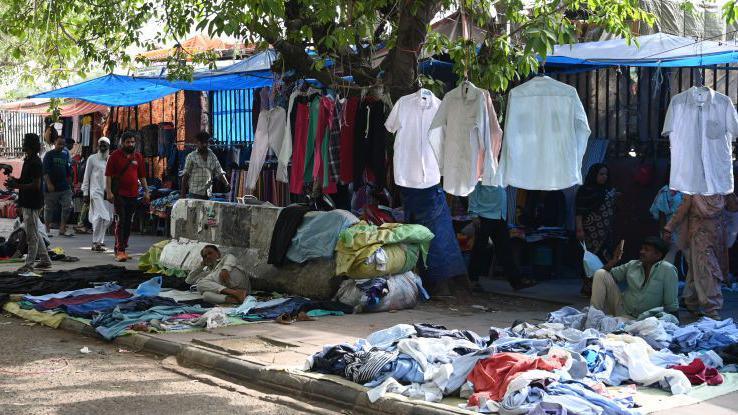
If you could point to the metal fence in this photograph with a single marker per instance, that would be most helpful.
(627, 105)
(13, 126)
(231, 116)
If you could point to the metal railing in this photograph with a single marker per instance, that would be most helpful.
(231, 116)
(13, 126)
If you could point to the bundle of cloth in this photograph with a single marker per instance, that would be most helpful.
(368, 251)
(569, 363)
(301, 235)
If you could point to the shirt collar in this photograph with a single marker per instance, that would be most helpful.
(424, 93)
(694, 90)
(471, 93)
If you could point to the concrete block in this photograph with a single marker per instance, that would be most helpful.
(246, 232)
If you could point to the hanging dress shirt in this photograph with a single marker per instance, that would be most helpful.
(546, 133)
(701, 125)
(269, 135)
(414, 162)
(462, 135)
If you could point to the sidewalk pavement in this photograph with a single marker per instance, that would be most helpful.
(271, 354)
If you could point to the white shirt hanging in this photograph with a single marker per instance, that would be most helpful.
(269, 134)
(462, 139)
(414, 162)
(546, 133)
(701, 125)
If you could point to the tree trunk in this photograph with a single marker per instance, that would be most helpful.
(401, 63)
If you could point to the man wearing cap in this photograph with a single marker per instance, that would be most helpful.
(100, 212)
(650, 282)
(201, 168)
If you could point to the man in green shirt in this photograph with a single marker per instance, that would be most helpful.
(651, 282)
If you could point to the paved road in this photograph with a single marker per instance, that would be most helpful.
(43, 372)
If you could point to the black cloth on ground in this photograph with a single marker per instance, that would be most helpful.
(54, 282)
(295, 305)
(435, 332)
(288, 222)
(333, 360)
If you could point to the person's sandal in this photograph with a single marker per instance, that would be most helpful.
(302, 316)
(43, 265)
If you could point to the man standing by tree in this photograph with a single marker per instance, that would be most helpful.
(201, 168)
(30, 200)
(57, 176)
(124, 171)
(93, 188)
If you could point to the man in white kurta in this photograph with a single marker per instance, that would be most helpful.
(93, 188)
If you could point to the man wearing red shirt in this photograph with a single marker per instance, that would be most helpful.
(126, 168)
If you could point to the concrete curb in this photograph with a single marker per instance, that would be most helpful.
(291, 382)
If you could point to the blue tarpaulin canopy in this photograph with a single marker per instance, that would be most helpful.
(126, 91)
(657, 50)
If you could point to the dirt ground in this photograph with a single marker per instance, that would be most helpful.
(42, 371)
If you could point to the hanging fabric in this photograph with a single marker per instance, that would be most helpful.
(702, 125)
(546, 133)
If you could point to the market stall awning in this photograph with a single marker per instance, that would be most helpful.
(112, 90)
(69, 108)
(126, 91)
(657, 50)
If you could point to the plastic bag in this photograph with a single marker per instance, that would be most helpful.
(150, 288)
(404, 291)
(592, 262)
(215, 317)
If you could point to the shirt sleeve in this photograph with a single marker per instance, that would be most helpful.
(217, 168)
(392, 124)
(669, 120)
(86, 180)
(582, 130)
(618, 273)
(437, 132)
(110, 165)
(229, 262)
(671, 290)
(731, 121)
(486, 127)
(188, 165)
(69, 164)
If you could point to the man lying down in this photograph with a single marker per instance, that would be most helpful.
(220, 279)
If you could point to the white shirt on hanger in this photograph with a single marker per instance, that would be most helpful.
(269, 134)
(546, 133)
(461, 138)
(701, 125)
(414, 162)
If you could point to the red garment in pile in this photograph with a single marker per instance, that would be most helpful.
(491, 376)
(698, 373)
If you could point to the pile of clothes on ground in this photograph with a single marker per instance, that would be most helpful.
(378, 260)
(570, 363)
(115, 301)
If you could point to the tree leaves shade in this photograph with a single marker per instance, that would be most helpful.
(59, 38)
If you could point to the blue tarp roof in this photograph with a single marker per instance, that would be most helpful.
(112, 90)
(657, 50)
(126, 91)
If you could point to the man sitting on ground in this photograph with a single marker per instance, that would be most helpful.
(651, 282)
(220, 279)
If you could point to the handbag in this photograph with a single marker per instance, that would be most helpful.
(115, 180)
(592, 263)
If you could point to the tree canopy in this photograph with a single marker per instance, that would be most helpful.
(368, 39)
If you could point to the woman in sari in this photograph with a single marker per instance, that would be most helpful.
(595, 211)
(700, 225)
